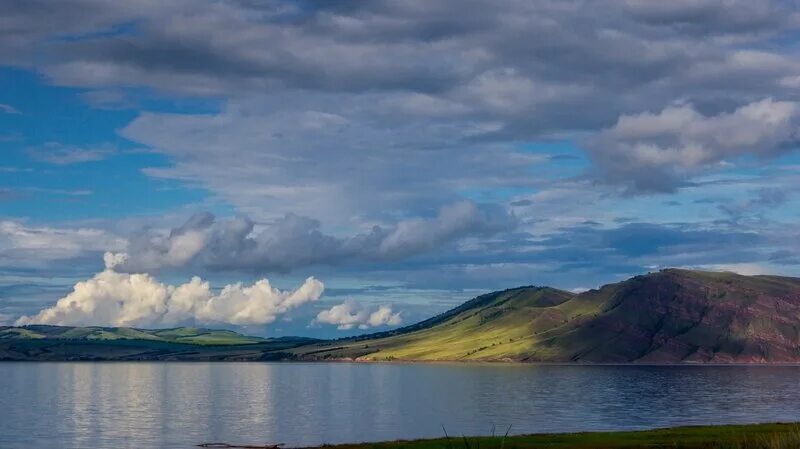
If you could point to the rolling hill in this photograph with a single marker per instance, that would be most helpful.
(44, 342)
(671, 316)
(190, 335)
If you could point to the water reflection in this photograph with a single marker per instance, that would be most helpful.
(80, 405)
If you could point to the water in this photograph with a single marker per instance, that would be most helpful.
(155, 405)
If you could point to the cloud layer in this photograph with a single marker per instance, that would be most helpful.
(350, 110)
(119, 299)
(351, 314)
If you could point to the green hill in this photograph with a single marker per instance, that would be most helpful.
(44, 342)
(666, 317)
(177, 335)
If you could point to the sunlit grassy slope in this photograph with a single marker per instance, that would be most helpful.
(669, 316)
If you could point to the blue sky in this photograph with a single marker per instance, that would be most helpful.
(381, 162)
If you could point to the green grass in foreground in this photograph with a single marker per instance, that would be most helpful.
(754, 436)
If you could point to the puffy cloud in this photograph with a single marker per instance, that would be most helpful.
(351, 314)
(295, 241)
(119, 299)
(659, 151)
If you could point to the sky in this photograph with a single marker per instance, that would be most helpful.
(331, 168)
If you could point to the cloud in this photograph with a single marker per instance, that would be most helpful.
(8, 109)
(25, 245)
(709, 16)
(336, 111)
(455, 220)
(58, 154)
(747, 269)
(351, 314)
(294, 241)
(658, 152)
(766, 199)
(120, 299)
(340, 159)
(339, 129)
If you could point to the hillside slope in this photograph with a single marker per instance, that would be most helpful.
(666, 317)
(189, 335)
(54, 343)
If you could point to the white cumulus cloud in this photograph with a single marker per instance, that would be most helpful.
(122, 299)
(352, 314)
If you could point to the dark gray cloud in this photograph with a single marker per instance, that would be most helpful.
(587, 256)
(294, 241)
(708, 17)
(470, 71)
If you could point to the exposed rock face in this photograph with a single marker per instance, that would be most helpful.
(672, 316)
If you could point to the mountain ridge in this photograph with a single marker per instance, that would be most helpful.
(669, 316)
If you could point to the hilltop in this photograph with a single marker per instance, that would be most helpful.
(670, 316)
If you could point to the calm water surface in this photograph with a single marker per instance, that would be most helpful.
(89, 405)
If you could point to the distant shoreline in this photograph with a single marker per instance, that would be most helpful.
(414, 362)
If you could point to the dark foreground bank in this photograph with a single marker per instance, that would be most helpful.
(753, 436)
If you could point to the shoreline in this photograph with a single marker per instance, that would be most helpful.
(741, 436)
(422, 362)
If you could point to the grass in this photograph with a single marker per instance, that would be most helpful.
(752, 436)
(618, 323)
(187, 335)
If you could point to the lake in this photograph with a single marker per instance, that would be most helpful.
(88, 405)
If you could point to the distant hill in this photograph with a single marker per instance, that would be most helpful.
(43, 342)
(671, 316)
(191, 335)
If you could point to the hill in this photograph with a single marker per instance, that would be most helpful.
(44, 342)
(190, 335)
(671, 316)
